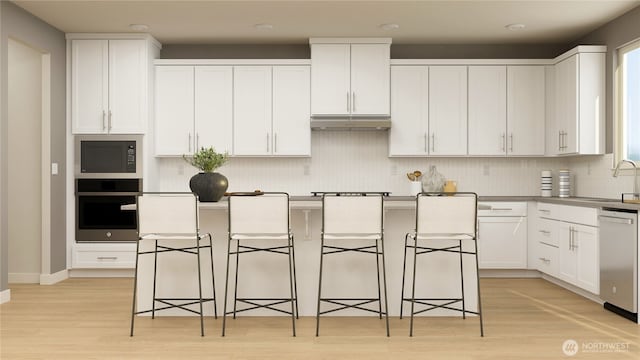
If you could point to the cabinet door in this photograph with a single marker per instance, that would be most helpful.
(487, 110)
(89, 86)
(502, 242)
(552, 131)
(568, 256)
(128, 85)
(213, 107)
(525, 110)
(174, 110)
(448, 110)
(591, 103)
(409, 111)
(330, 79)
(567, 103)
(291, 110)
(252, 110)
(370, 79)
(586, 245)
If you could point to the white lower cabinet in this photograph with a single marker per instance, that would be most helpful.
(103, 256)
(574, 245)
(502, 235)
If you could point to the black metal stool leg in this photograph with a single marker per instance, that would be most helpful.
(464, 313)
(478, 284)
(226, 289)
(295, 280)
(378, 273)
(213, 279)
(404, 269)
(135, 287)
(413, 286)
(155, 268)
(384, 278)
(291, 285)
(200, 285)
(319, 285)
(235, 291)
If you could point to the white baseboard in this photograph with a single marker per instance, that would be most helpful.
(50, 279)
(5, 296)
(99, 273)
(509, 273)
(573, 288)
(24, 278)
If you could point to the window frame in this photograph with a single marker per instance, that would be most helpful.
(619, 125)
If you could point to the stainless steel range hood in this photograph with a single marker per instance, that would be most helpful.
(350, 123)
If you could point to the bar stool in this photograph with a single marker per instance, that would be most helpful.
(353, 216)
(257, 219)
(443, 222)
(170, 220)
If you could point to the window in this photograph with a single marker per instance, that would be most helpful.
(628, 112)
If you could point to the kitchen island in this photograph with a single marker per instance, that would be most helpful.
(345, 275)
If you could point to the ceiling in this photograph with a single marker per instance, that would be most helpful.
(294, 21)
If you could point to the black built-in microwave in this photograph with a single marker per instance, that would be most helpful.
(108, 156)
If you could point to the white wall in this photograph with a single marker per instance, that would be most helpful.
(358, 161)
(24, 162)
(593, 176)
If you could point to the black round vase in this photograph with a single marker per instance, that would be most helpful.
(209, 187)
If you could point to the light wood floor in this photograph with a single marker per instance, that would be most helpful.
(89, 319)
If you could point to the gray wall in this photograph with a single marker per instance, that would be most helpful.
(302, 51)
(614, 34)
(20, 25)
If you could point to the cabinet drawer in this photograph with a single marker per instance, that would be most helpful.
(547, 232)
(547, 260)
(104, 259)
(573, 214)
(501, 208)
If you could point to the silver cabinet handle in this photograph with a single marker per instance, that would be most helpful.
(107, 257)
(546, 232)
(348, 102)
(544, 211)
(425, 142)
(545, 260)
(109, 120)
(104, 118)
(267, 142)
(189, 143)
(571, 238)
(433, 141)
(353, 101)
(503, 141)
(559, 140)
(502, 209)
(275, 143)
(511, 141)
(197, 142)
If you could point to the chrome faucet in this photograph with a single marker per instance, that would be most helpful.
(635, 174)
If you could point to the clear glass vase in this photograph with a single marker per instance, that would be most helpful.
(433, 181)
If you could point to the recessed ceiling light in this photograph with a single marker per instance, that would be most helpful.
(263, 26)
(139, 27)
(514, 27)
(389, 26)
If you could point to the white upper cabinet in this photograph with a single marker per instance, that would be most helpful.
(252, 110)
(349, 78)
(448, 110)
(291, 110)
(578, 123)
(213, 107)
(525, 110)
(193, 109)
(109, 85)
(487, 110)
(409, 135)
(174, 134)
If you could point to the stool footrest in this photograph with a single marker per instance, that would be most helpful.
(169, 305)
(270, 306)
(424, 301)
(343, 306)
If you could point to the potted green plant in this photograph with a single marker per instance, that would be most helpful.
(209, 185)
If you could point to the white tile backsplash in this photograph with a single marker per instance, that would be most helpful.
(358, 161)
(593, 177)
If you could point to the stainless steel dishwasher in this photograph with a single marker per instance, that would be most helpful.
(619, 261)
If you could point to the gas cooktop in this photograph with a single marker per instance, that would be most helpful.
(352, 193)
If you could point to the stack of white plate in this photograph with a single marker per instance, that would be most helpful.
(564, 183)
(546, 182)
